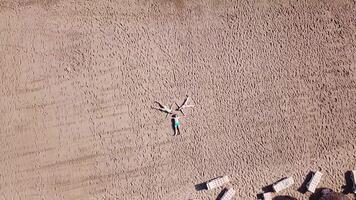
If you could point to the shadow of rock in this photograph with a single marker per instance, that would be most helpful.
(221, 194)
(200, 186)
(317, 194)
(269, 188)
(259, 196)
(284, 198)
(303, 188)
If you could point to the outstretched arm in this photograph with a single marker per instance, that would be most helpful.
(160, 105)
(184, 116)
(159, 109)
(188, 106)
(154, 108)
(178, 107)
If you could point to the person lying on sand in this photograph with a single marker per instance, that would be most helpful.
(176, 124)
(163, 108)
(184, 105)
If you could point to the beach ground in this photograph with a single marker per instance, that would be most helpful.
(274, 84)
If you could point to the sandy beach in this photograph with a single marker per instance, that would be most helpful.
(273, 84)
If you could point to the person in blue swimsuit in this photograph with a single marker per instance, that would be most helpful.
(176, 124)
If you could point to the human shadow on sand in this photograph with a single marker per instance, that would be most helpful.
(173, 127)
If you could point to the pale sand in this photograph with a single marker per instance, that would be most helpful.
(274, 84)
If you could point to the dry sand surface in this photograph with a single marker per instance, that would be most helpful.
(274, 83)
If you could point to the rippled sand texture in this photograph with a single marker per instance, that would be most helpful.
(274, 85)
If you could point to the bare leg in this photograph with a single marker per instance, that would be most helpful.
(159, 109)
(178, 130)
